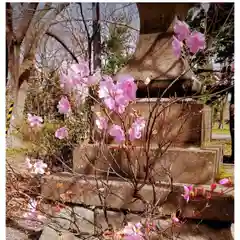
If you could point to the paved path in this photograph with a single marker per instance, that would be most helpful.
(221, 136)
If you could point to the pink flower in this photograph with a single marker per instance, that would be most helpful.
(213, 186)
(61, 133)
(34, 121)
(95, 78)
(224, 181)
(28, 163)
(81, 68)
(175, 219)
(105, 87)
(128, 86)
(117, 132)
(187, 192)
(112, 95)
(39, 167)
(32, 205)
(101, 123)
(196, 42)
(135, 132)
(177, 47)
(133, 231)
(66, 82)
(181, 29)
(64, 106)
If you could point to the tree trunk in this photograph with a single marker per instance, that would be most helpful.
(223, 106)
(231, 122)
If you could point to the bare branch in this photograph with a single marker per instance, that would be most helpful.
(63, 44)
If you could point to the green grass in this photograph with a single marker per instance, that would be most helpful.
(224, 173)
(225, 129)
(227, 145)
(12, 152)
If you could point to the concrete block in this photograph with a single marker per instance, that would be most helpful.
(186, 165)
(119, 195)
(182, 123)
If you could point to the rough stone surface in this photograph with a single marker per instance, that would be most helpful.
(188, 231)
(154, 57)
(182, 123)
(186, 165)
(14, 234)
(50, 234)
(218, 148)
(77, 218)
(119, 195)
(115, 219)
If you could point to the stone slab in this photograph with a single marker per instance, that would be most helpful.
(190, 165)
(219, 157)
(181, 123)
(50, 233)
(188, 231)
(119, 195)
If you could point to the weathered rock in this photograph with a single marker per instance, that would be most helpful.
(112, 219)
(187, 231)
(50, 233)
(181, 123)
(154, 57)
(119, 195)
(77, 218)
(186, 165)
(14, 234)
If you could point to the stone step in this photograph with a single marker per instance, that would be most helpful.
(90, 191)
(191, 165)
(181, 123)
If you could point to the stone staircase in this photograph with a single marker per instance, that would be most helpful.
(93, 189)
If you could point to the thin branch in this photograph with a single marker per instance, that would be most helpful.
(63, 44)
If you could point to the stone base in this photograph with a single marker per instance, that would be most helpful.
(185, 165)
(118, 195)
(182, 123)
(187, 231)
(218, 148)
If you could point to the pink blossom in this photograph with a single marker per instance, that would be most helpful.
(196, 42)
(61, 133)
(117, 132)
(135, 132)
(34, 121)
(113, 96)
(177, 47)
(66, 82)
(64, 106)
(32, 205)
(128, 86)
(175, 219)
(187, 192)
(39, 167)
(133, 231)
(28, 163)
(181, 29)
(81, 68)
(224, 181)
(101, 123)
(105, 87)
(95, 78)
(117, 96)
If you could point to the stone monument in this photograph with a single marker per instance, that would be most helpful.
(186, 124)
